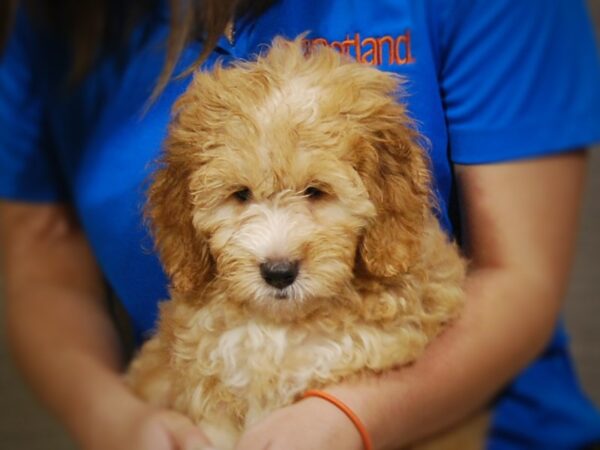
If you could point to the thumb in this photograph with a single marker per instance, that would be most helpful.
(186, 435)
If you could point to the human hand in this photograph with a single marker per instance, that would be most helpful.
(149, 429)
(311, 424)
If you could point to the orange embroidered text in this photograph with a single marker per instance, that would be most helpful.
(370, 50)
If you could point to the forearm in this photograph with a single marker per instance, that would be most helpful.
(59, 329)
(63, 338)
(68, 351)
(501, 329)
(520, 221)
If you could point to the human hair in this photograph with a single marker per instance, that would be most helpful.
(92, 26)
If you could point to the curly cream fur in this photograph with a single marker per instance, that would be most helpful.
(378, 278)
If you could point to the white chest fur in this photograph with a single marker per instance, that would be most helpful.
(243, 371)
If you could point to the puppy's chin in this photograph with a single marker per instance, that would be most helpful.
(283, 305)
(311, 293)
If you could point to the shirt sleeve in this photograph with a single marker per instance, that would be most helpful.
(519, 79)
(28, 170)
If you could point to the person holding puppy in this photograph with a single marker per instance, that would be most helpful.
(507, 94)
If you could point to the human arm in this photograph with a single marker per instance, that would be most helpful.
(520, 223)
(62, 337)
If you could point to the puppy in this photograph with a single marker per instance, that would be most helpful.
(292, 212)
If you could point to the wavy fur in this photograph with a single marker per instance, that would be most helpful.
(378, 277)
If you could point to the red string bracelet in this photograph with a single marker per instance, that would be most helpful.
(364, 434)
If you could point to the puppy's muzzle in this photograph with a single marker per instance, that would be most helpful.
(279, 274)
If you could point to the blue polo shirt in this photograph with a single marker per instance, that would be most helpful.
(487, 81)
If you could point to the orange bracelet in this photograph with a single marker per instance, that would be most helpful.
(364, 434)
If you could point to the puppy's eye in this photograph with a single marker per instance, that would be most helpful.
(313, 193)
(243, 195)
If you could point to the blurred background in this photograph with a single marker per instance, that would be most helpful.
(24, 425)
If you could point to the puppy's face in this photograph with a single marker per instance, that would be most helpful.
(276, 182)
(281, 212)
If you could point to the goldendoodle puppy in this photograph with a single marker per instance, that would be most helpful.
(293, 214)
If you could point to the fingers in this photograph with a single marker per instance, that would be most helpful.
(185, 435)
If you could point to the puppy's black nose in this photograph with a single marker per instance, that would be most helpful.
(279, 274)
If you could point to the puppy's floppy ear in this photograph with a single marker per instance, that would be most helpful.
(394, 170)
(184, 254)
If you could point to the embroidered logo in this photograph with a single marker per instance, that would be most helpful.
(370, 50)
